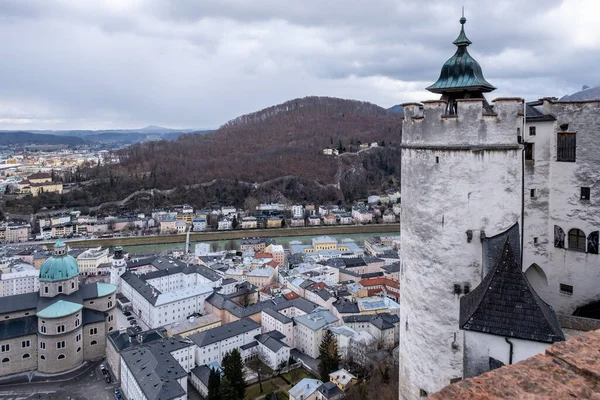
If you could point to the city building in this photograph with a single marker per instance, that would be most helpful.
(199, 224)
(90, 260)
(19, 278)
(168, 295)
(213, 344)
(342, 379)
(16, 232)
(157, 370)
(272, 350)
(310, 328)
(59, 327)
(260, 277)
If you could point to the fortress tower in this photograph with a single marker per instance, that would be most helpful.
(461, 181)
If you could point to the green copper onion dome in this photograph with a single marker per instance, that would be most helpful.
(461, 73)
(60, 266)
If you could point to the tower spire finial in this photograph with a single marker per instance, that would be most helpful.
(462, 39)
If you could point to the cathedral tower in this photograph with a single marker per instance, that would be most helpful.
(118, 268)
(461, 180)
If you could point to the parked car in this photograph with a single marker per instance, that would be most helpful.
(127, 313)
(117, 393)
(130, 318)
(133, 322)
(108, 380)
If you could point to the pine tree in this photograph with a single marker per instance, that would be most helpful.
(227, 391)
(214, 383)
(233, 369)
(329, 358)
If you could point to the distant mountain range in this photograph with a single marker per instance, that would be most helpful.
(81, 137)
(21, 138)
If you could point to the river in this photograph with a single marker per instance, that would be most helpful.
(235, 243)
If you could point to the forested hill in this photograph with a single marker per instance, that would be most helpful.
(286, 140)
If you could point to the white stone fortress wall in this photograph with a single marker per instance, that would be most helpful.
(459, 173)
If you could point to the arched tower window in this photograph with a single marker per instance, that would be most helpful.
(577, 240)
(536, 276)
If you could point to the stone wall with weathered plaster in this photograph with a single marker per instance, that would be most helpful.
(558, 202)
(458, 174)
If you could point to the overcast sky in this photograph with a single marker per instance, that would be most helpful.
(87, 64)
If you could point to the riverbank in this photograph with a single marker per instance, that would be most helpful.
(233, 235)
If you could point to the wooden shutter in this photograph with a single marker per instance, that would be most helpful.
(592, 242)
(565, 146)
(559, 237)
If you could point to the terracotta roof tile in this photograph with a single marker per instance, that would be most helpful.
(568, 370)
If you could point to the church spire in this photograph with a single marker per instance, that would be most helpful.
(461, 75)
(462, 39)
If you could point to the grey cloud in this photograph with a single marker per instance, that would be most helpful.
(194, 63)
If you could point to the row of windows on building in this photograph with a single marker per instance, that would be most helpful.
(576, 240)
(61, 328)
(565, 146)
(584, 193)
(59, 288)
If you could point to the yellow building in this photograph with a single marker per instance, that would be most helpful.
(342, 379)
(274, 222)
(39, 183)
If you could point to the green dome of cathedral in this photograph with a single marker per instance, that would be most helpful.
(60, 266)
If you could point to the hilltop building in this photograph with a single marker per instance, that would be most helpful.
(59, 327)
(447, 227)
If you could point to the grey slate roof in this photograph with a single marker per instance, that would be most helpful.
(384, 321)
(590, 93)
(250, 345)
(93, 316)
(18, 327)
(19, 302)
(139, 284)
(278, 316)
(277, 303)
(392, 268)
(121, 341)
(345, 306)
(330, 391)
(533, 114)
(155, 370)
(505, 304)
(223, 332)
(271, 342)
(203, 373)
(88, 291)
(494, 245)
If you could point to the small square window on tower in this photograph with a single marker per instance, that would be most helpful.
(532, 193)
(585, 193)
(535, 240)
(567, 289)
(532, 131)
